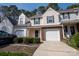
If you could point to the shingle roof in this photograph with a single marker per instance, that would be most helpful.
(69, 10)
(13, 21)
(36, 16)
(60, 11)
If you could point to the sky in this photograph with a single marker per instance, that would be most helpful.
(31, 6)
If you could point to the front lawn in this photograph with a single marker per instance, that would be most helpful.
(22, 46)
(12, 54)
(73, 41)
(18, 50)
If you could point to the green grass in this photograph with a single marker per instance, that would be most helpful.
(67, 42)
(13, 54)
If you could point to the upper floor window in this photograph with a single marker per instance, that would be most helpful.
(66, 16)
(37, 21)
(21, 20)
(50, 19)
(76, 13)
(60, 18)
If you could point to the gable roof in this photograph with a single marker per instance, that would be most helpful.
(60, 11)
(13, 21)
(40, 15)
(26, 18)
(37, 16)
(68, 10)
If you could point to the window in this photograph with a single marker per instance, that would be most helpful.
(50, 19)
(21, 20)
(60, 18)
(36, 33)
(37, 21)
(66, 16)
(76, 13)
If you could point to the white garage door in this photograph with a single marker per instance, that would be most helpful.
(20, 33)
(52, 35)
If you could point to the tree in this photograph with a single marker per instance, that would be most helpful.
(54, 6)
(5, 9)
(42, 9)
(33, 12)
(13, 7)
(73, 6)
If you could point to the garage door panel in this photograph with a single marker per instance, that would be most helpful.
(52, 35)
(20, 33)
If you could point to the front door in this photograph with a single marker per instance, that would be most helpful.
(72, 29)
(78, 27)
(36, 33)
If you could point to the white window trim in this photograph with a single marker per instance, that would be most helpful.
(51, 19)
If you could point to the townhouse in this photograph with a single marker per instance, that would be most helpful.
(51, 26)
(54, 25)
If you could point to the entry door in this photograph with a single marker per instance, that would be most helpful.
(72, 30)
(52, 35)
(36, 33)
(77, 27)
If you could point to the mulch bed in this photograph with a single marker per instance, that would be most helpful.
(23, 48)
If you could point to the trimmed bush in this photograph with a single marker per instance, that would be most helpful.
(37, 40)
(74, 40)
(18, 40)
(32, 40)
(27, 40)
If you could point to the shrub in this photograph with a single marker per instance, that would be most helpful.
(18, 40)
(37, 40)
(32, 40)
(27, 40)
(74, 40)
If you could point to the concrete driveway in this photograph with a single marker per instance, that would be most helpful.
(55, 49)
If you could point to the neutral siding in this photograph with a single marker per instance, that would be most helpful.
(8, 24)
(21, 16)
(43, 20)
(73, 16)
(21, 28)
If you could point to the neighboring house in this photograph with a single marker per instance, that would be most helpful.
(6, 24)
(70, 21)
(12, 26)
(21, 27)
